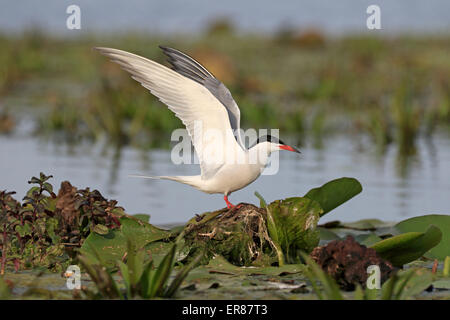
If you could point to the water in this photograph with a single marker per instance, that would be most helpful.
(334, 17)
(393, 189)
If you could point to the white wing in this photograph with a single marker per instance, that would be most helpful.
(194, 104)
(192, 69)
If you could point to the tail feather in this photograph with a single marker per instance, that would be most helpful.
(194, 181)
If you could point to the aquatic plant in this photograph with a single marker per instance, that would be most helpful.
(45, 228)
(275, 233)
(128, 258)
(347, 262)
(401, 285)
(139, 279)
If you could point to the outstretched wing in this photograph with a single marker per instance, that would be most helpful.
(189, 67)
(193, 103)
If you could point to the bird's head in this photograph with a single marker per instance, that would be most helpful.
(274, 144)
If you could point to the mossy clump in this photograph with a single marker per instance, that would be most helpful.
(238, 234)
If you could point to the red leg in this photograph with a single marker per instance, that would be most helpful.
(229, 204)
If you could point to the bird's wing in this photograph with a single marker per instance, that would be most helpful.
(193, 103)
(189, 67)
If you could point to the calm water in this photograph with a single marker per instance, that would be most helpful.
(393, 190)
(335, 17)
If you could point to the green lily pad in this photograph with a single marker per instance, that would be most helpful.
(368, 239)
(142, 216)
(442, 284)
(220, 265)
(420, 224)
(334, 193)
(366, 224)
(407, 247)
(327, 235)
(112, 246)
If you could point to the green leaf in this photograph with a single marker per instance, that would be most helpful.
(421, 223)
(135, 262)
(113, 245)
(331, 289)
(272, 229)
(411, 283)
(334, 193)
(24, 230)
(408, 247)
(219, 263)
(125, 276)
(176, 283)
(163, 272)
(446, 269)
(146, 281)
(142, 217)
(367, 239)
(47, 187)
(295, 225)
(4, 290)
(327, 235)
(32, 190)
(442, 284)
(100, 229)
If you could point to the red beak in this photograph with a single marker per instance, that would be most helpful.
(289, 148)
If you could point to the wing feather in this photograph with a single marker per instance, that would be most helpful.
(190, 101)
(191, 68)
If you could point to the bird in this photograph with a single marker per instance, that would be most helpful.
(196, 97)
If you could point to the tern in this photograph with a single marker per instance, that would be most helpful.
(195, 95)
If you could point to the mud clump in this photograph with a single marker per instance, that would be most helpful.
(239, 235)
(347, 261)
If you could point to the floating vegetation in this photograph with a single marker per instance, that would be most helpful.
(45, 228)
(243, 251)
(347, 261)
(140, 279)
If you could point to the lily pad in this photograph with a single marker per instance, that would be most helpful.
(366, 224)
(334, 193)
(220, 265)
(407, 247)
(443, 284)
(327, 235)
(112, 246)
(367, 239)
(420, 224)
(142, 216)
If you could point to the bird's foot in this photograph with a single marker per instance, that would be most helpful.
(230, 205)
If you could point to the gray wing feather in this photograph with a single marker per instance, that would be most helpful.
(190, 68)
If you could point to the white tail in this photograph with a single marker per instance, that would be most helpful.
(194, 181)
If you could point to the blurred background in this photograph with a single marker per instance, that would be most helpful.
(369, 104)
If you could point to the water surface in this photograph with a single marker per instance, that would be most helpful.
(394, 188)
